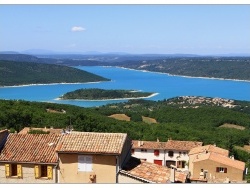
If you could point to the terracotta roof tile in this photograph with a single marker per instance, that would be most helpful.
(37, 148)
(90, 142)
(182, 145)
(221, 159)
(150, 172)
(209, 148)
(171, 144)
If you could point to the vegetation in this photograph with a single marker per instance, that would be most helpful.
(179, 64)
(102, 94)
(20, 73)
(197, 124)
(33, 131)
(216, 67)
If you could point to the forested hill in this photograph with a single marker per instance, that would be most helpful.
(213, 67)
(183, 64)
(21, 73)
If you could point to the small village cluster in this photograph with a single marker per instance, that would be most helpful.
(92, 157)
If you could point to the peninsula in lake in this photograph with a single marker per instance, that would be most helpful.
(102, 94)
(15, 73)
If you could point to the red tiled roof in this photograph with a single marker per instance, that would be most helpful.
(221, 159)
(90, 142)
(150, 172)
(170, 144)
(148, 144)
(182, 145)
(209, 148)
(35, 148)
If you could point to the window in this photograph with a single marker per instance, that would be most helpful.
(156, 152)
(84, 163)
(170, 153)
(221, 169)
(13, 170)
(159, 162)
(43, 171)
(179, 153)
(143, 150)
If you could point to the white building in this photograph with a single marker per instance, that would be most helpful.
(172, 152)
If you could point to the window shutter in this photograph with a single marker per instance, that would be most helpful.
(156, 152)
(50, 172)
(19, 171)
(7, 170)
(37, 171)
(225, 170)
(217, 169)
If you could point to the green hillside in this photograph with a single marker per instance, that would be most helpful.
(21, 73)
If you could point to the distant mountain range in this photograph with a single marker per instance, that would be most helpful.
(51, 52)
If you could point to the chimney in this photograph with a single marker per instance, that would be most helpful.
(157, 140)
(232, 157)
(201, 174)
(139, 143)
(215, 144)
(172, 174)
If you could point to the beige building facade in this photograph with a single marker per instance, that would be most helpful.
(92, 157)
(213, 164)
(102, 166)
(26, 173)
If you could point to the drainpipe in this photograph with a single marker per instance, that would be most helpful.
(56, 171)
(164, 151)
(117, 168)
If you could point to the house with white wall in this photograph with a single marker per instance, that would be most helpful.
(172, 152)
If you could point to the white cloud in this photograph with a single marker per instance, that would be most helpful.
(77, 29)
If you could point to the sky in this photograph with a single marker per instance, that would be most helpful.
(136, 29)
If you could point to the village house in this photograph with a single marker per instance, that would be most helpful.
(29, 158)
(172, 152)
(89, 157)
(214, 165)
(139, 171)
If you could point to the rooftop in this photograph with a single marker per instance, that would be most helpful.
(170, 144)
(35, 148)
(221, 159)
(150, 172)
(91, 142)
(209, 148)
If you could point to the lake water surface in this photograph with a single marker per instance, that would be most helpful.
(166, 86)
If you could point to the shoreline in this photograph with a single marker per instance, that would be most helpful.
(59, 83)
(152, 95)
(211, 78)
(64, 83)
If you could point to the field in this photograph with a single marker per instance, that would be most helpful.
(120, 117)
(226, 125)
(148, 120)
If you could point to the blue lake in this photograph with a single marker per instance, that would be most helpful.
(167, 86)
